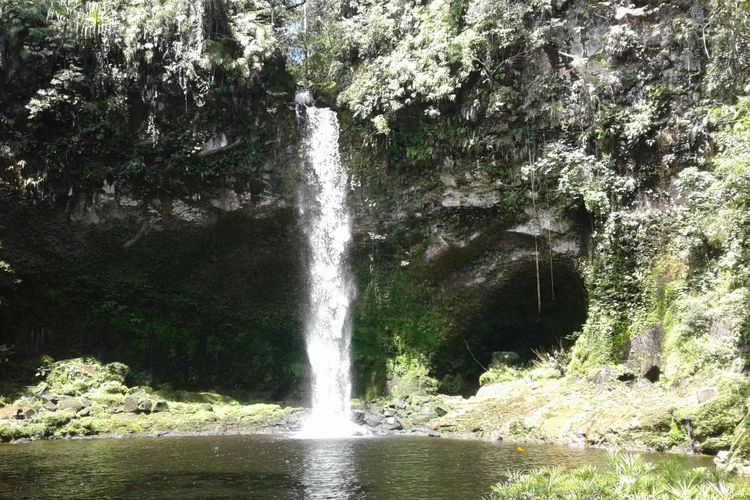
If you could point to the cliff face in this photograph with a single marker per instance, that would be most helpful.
(525, 175)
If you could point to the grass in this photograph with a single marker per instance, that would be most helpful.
(628, 476)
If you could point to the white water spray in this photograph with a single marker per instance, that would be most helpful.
(328, 322)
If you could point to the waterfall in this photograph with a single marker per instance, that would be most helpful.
(328, 326)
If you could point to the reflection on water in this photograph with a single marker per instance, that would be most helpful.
(271, 467)
(330, 469)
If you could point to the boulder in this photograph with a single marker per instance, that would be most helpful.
(706, 394)
(371, 420)
(9, 412)
(441, 412)
(41, 389)
(644, 353)
(145, 405)
(130, 404)
(85, 412)
(73, 403)
(27, 412)
(603, 376)
(393, 424)
(358, 417)
(50, 406)
(160, 406)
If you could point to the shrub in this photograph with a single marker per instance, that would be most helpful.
(628, 476)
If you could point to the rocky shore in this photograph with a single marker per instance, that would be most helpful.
(82, 398)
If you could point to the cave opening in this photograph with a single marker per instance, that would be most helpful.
(513, 315)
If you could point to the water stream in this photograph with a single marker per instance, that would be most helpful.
(328, 326)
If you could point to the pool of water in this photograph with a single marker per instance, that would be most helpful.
(269, 466)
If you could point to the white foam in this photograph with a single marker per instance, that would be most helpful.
(328, 322)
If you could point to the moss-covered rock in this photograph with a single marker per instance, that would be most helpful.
(102, 404)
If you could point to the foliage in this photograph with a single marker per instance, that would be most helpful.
(409, 375)
(728, 33)
(627, 477)
(104, 90)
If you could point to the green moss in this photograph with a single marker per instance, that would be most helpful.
(715, 422)
(500, 374)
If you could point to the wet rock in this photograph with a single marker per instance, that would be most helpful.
(394, 425)
(371, 420)
(358, 417)
(130, 404)
(706, 394)
(578, 440)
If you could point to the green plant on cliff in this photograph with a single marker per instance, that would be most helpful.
(105, 91)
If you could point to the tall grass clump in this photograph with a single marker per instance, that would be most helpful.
(628, 476)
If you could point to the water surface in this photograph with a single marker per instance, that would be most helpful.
(271, 467)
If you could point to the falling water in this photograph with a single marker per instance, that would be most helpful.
(328, 323)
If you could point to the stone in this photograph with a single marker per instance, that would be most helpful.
(392, 424)
(27, 412)
(145, 405)
(206, 407)
(160, 406)
(50, 406)
(358, 417)
(706, 394)
(85, 412)
(603, 376)
(371, 420)
(644, 353)
(441, 412)
(9, 412)
(130, 404)
(74, 403)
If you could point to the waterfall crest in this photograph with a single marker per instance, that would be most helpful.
(328, 325)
